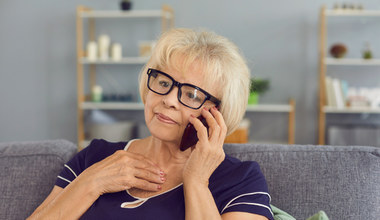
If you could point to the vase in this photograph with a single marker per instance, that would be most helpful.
(125, 5)
(253, 98)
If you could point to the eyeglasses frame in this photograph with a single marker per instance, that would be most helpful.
(179, 85)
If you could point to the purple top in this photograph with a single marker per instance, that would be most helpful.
(235, 186)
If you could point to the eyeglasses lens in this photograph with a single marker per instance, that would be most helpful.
(192, 96)
(189, 95)
(160, 83)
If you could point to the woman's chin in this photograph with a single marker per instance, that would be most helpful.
(167, 133)
(166, 136)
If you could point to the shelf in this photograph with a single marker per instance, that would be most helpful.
(86, 16)
(125, 14)
(112, 105)
(351, 12)
(325, 62)
(140, 106)
(124, 60)
(351, 61)
(348, 110)
(269, 108)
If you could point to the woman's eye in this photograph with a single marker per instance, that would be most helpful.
(193, 96)
(164, 83)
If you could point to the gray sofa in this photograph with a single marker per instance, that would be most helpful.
(342, 181)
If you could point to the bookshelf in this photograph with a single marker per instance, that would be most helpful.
(166, 14)
(325, 61)
(288, 109)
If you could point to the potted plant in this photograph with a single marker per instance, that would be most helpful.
(258, 86)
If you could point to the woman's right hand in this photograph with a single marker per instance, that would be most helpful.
(121, 171)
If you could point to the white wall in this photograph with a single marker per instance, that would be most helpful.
(279, 38)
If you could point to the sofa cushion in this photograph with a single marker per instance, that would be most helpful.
(344, 181)
(28, 173)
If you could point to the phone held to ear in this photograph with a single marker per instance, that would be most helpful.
(190, 137)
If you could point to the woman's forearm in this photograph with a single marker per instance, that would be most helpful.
(70, 203)
(199, 202)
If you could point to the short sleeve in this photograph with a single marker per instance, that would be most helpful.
(73, 168)
(95, 152)
(241, 187)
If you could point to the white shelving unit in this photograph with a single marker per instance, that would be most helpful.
(351, 62)
(126, 14)
(112, 106)
(348, 110)
(352, 13)
(270, 108)
(278, 108)
(166, 14)
(124, 60)
(327, 61)
(139, 106)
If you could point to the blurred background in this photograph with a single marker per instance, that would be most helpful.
(280, 39)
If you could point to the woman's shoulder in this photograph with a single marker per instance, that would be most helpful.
(96, 151)
(99, 149)
(240, 186)
(101, 144)
(233, 171)
(232, 164)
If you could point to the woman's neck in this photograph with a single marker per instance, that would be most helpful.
(167, 155)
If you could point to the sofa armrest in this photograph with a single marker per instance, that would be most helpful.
(28, 173)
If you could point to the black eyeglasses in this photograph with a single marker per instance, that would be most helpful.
(188, 95)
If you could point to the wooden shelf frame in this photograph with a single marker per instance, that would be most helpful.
(351, 13)
(124, 60)
(167, 22)
(325, 61)
(289, 108)
(139, 106)
(125, 14)
(351, 110)
(351, 61)
(273, 108)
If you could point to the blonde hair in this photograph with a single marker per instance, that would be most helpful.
(218, 58)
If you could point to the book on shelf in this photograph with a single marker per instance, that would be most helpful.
(340, 100)
(340, 95)
(329, 92)
(336, 92)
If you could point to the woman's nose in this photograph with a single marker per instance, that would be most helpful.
(171, 99)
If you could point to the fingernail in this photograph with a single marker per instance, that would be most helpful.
(159, 187)
(214, 108)
(163, 179)
(204, 108)
(162, 173)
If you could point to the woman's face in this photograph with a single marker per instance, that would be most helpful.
(165, 116)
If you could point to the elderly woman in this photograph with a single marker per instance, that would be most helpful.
(189, 74)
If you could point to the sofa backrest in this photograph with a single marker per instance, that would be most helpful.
(28, 173)
(343, 181)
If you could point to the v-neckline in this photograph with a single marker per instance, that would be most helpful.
(149, 197)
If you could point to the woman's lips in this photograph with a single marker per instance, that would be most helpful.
(165, 119)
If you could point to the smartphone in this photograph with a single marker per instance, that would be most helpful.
(190, 137)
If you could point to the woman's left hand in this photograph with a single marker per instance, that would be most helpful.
(208, 153)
